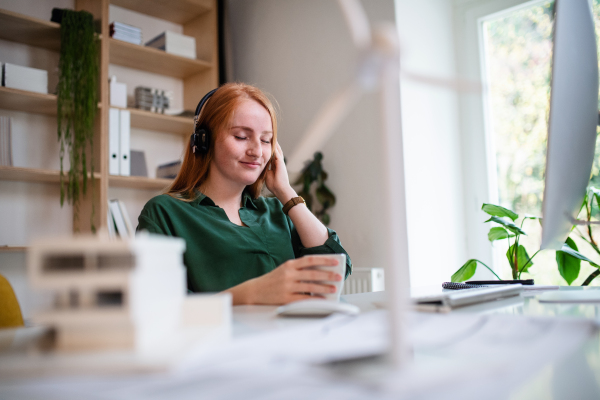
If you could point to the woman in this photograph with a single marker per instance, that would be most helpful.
(238, 241)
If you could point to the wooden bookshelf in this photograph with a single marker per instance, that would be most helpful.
(35, 175)
(197, 18)
(23, 100)
(179, 12)
(160, 122)
(154, 60)
(12, 249)
(138, 182)
(29, 30)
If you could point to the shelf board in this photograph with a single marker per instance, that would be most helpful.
(160, 122)
(12, 249)
(35, 175)
(28, 30)
(138, 182)
(179, 12)
(154, 60)
(29, 175)
(23, 100)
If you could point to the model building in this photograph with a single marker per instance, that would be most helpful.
(110, 294)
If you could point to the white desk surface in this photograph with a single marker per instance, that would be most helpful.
(576, 376)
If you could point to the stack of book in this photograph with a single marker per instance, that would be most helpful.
(168, 171)
(5, 142)
(126, 33)
(175, 43)
(150, 99)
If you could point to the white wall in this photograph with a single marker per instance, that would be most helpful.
(301, 53)
(432, 147)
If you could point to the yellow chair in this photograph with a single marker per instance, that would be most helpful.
(10, 312)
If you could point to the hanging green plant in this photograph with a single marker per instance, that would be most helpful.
(313, 172)
(77, 99)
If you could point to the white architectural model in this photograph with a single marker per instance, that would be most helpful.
(117, 294)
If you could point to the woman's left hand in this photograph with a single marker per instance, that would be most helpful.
(277, 179)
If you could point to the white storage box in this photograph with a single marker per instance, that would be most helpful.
(175, 43)
(24, 78)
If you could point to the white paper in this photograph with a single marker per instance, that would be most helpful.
(455, 356)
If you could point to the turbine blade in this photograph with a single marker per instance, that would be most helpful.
(324, 125)
(459, 85)
(357, 21)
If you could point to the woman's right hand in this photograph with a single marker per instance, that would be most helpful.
(291, 281)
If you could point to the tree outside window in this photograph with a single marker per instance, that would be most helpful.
(518, 59)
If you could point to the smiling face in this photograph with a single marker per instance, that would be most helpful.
(243, 150)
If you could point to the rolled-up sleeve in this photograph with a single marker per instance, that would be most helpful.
(331, 246)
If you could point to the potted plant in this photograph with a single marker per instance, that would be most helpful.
(568, 259)
(77, 104)
(313, 173)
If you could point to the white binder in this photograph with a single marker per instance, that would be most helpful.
(118, 218)
(125, 159)
(113, 141)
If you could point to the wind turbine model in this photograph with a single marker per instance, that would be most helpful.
(379, 69)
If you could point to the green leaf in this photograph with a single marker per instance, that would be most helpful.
(568, 266)
(596, 194)
(498, 211)
(574, 253)
(325, 196)
(522, 258)
(508, 225)
(465, 272)
(497, 233)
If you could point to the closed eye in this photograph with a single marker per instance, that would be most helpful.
(266, 141)
(240, 138)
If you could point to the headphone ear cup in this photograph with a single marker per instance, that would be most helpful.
(200, 141)
(204, 138)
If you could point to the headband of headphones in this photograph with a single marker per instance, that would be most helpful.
(200, 140)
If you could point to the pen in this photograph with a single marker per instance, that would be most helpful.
(507, 282)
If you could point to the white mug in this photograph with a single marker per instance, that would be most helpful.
(340, 269)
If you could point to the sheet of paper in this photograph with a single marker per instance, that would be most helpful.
(466, 354)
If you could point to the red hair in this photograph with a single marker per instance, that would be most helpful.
(217, 115)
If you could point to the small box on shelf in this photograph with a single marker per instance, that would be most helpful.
(169, 170)
(118, 93)
(175, 43)
(24, 78)
(138, 163)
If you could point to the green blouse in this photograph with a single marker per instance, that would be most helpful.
(220, 254)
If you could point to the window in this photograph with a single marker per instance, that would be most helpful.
(518, 57)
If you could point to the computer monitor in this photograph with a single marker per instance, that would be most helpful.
(573, 119)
